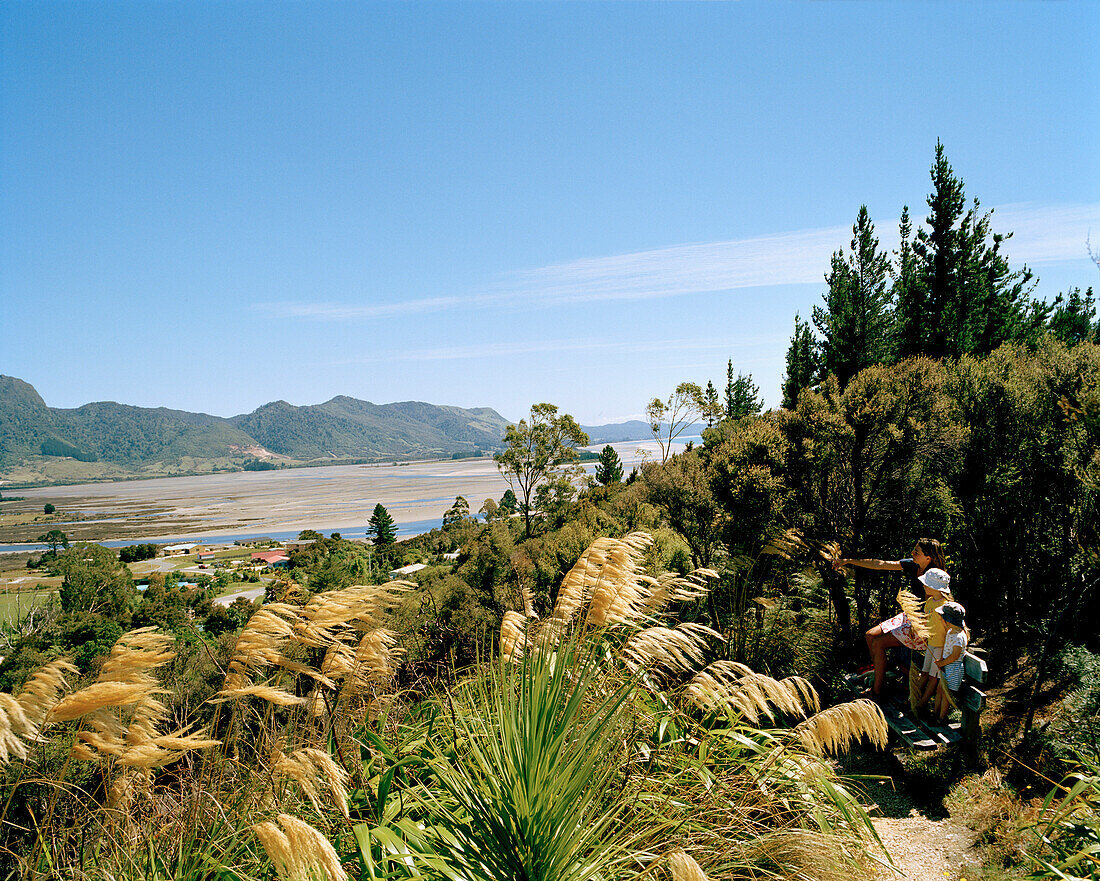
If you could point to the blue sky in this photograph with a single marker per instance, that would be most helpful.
(211, 206)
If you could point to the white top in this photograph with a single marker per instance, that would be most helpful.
(952, 639)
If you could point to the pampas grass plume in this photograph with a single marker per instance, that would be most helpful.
(298, 851)
(835, 729)
(513, 636)
(97, 696)
(41, 692)
(684, 868)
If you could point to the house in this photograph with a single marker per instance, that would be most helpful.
(405, 571)
(181, 550)
(297, 545)
(276, 558)
(207, 556)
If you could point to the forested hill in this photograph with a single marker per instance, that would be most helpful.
(107, 439)
(347, 427)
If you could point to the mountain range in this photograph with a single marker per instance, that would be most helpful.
(122, 440)
(107, 440)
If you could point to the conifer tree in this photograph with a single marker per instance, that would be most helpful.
(380, 528)
(972, 301)
(742, 394)
(801, 363)
(609, 469)
(1071, 320)
(713, 409)
(910, 309)
(856, 322)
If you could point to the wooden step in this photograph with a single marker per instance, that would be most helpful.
(911, 732)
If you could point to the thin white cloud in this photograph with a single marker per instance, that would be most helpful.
(1048, 234)
(1041, 234)
(508, 349)
(787, 258)
(347, 311)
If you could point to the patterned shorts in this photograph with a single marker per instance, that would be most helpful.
(900, 628)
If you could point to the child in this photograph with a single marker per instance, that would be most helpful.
(955, 641)
(937, 591)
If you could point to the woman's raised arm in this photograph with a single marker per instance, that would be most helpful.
(888, 565)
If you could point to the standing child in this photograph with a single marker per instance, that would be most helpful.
(937, 591)
(955, 642)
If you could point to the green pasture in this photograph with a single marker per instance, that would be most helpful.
(16, 603)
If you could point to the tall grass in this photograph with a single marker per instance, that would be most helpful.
(606, 741)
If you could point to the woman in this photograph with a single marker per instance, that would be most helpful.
(897, 631)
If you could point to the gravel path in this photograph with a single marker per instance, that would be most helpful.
(923, 848)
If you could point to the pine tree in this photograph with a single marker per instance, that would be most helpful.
(609, 469)
(1071, 320)
(801, 363)
(713, 409)
(910, 308)
(972, 301)
(381, 529)
(936, 250)
(742, 394)
(856, 321)
(742, 397)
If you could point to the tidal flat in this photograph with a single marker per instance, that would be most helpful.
(326, 498)
(338, 497)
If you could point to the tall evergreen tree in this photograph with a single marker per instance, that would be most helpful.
(380, 528)
(973, 301)
(856, 322)
(1071, 320)
(909, 294)
(936, 250)
(742, 395)
(609, 469)
(713, 408)
(801, 363)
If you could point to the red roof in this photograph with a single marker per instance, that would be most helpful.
(270, 557)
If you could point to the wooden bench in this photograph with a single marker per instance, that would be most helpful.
(916, 734)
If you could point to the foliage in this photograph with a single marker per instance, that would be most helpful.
(856, 323)
(136, 553)
(973, 301)
(609, 469)
(669, 419)
(572, 760)
(952, 293)
(96, 581)
(742, 396)
(55, 538)
(539, 452)
(380, 528)
(48, 508)
(457, 513)
(1073, 317)
(1066, 843)
(802, 368)
(1073, 729)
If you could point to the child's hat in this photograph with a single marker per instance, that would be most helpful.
(936, 579)
(952, 613)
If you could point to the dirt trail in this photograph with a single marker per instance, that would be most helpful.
(924, 845)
